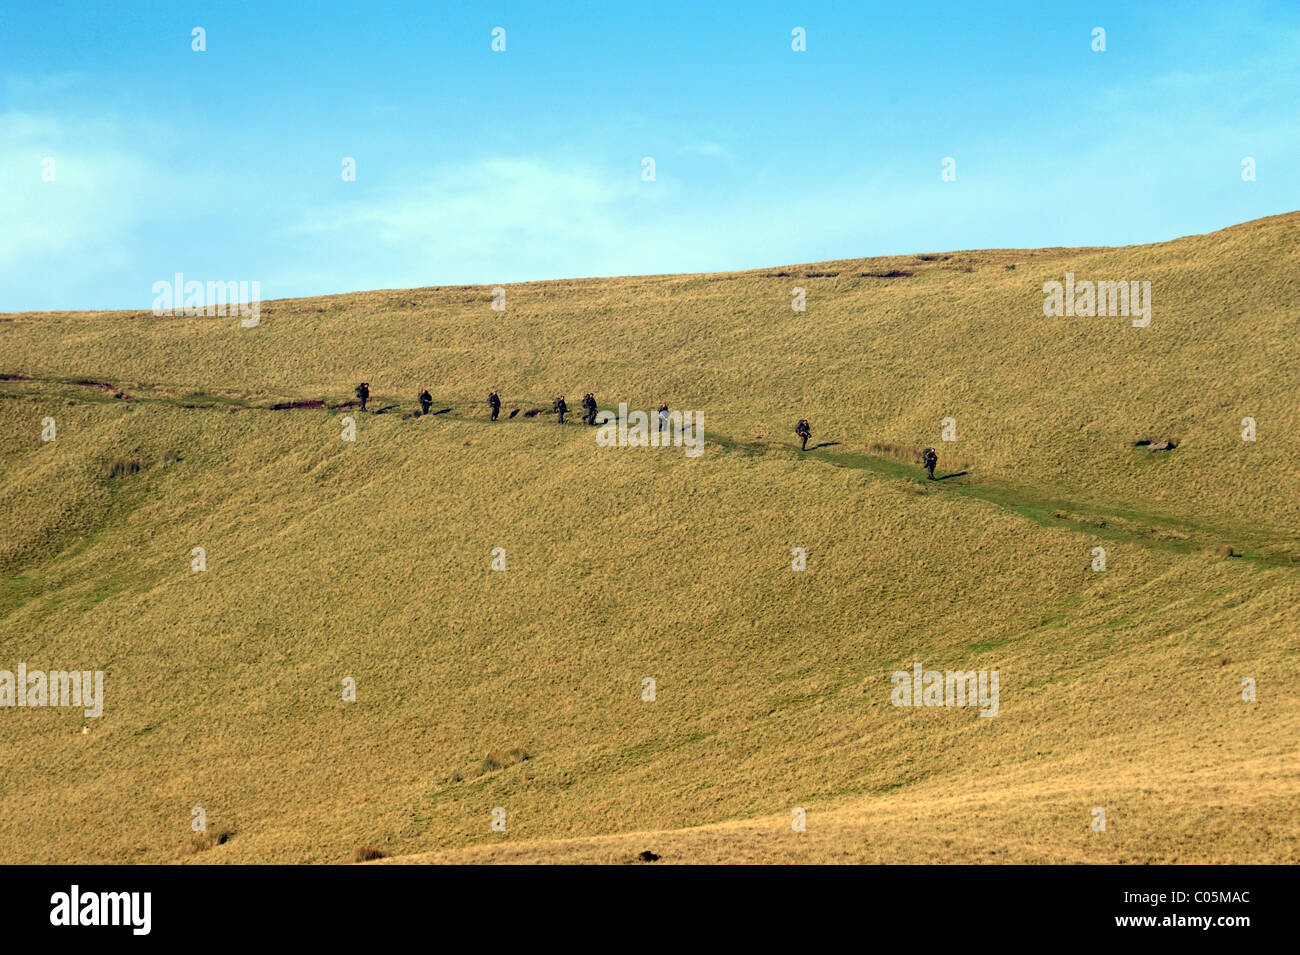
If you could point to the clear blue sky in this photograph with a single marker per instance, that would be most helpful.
(482, 167)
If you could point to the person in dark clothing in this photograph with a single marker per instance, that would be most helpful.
(561, 408)
(426, 401)
(930, 461)
(589, 403)
(363, 393)
(495, 402)
(804, 430)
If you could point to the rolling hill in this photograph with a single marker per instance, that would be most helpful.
(523, 689)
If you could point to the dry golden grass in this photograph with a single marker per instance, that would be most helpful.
(522, 689)
(1193, 816)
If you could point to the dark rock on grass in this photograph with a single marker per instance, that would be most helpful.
(647, 856)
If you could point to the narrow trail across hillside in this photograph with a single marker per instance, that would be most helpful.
(1106, 522)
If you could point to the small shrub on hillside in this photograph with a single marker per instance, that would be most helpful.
(121, 467)
(499, 760)
(203, 841)
(899, 452)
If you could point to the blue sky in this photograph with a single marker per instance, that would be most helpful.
(474, 166)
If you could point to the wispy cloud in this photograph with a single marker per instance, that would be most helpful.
(90, 205)
(498, 219)
(705, 147)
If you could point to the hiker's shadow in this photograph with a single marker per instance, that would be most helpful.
(956, 474)
(824, 444)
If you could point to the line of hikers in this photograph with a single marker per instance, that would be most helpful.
(560, 407)
(929, 459)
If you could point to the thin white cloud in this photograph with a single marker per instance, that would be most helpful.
(706, 147)
(525, 216)
(90, 203)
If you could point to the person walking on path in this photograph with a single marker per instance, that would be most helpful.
(930, 460)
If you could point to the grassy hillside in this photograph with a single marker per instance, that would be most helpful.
(522, 689)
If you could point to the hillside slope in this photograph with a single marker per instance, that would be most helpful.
(522, 689)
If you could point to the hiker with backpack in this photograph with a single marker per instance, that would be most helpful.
(561, 408)
(804, 430)
(663, 416)
(426, 401)
(363, 392)
(930, 461)
(589, 403)
(495, 403)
